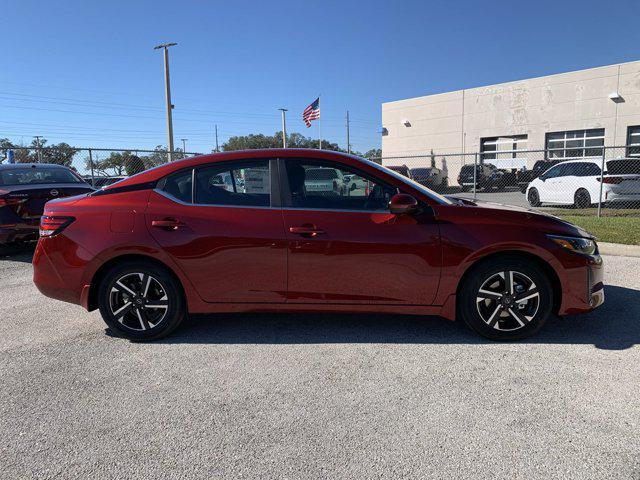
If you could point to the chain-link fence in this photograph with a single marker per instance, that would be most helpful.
(602, 181)
(98, 166)
(599, 181)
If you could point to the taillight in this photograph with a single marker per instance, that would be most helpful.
(10, 201)
(53, 225)
(611, 180)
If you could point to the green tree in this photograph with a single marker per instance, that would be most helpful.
(19, 156)
(134, 165)
(294, 140)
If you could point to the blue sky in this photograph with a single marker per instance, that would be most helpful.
(86, 73)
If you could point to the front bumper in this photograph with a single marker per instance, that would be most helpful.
(583, 288)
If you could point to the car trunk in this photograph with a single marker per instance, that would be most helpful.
(623, 176)
(27, 201)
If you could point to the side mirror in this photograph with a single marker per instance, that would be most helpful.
(402, 203)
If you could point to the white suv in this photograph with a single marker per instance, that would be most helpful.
(577, 182)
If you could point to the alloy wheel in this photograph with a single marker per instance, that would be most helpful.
(138, 301)
(508, 300)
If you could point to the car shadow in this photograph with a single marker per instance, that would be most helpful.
(21, 252)
(614, 326)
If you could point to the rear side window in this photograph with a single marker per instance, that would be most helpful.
(178, 185)
(245, 183)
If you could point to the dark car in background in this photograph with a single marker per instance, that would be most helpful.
(431, 177)
(488, 177)
(24, 189)
(525, 177)
(401, 169)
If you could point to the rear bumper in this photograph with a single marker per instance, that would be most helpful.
(18, 233)
(614, 197)
(58, 271)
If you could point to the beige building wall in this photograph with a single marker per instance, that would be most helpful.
(455, 122)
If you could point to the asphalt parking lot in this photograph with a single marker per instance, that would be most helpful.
(317, 396)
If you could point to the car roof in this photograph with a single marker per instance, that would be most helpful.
(156, 173)
(9, 166)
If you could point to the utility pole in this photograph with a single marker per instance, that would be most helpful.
(284, 127)
(217, 148)
(184, 145)
(348, 139)
(167, 88)
(38, 151)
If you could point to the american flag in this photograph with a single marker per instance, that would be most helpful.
(312, 112)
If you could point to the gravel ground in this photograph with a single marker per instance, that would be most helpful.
(317, 396)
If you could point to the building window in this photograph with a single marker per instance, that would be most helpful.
(575, 144)
(633, 141)
(504, 152)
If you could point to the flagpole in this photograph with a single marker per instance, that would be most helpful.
(319, 126)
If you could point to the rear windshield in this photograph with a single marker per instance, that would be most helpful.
(421, 171)
(321, 174)
(34, 176)
(468, 168)
(623, 167)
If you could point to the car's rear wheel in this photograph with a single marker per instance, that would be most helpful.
(534, 197)
(506, 298)
(141, 301)
(582, 199)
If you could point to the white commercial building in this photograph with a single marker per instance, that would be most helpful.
(571, 114)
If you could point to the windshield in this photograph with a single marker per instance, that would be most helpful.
(408, 181)
(35, 175)
(421, 171)
(623, 167)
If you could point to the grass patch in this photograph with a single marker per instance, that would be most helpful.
(614, 229)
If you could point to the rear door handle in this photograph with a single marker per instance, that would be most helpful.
(306, 231)
(168, 224)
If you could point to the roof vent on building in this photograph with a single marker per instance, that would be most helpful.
(406, 123)
(384, 131)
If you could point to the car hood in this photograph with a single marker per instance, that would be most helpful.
(526, 216)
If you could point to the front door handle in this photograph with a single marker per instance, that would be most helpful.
(168, 224)
(306, 231)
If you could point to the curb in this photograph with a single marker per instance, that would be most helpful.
(619, 249)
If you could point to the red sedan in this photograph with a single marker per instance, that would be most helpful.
(252, 231)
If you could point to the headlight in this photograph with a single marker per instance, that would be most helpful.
(575, 244)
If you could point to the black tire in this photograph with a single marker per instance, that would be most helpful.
(505, 318)
(533, 197)
(581, 199)
(161, 304)
(523, 188)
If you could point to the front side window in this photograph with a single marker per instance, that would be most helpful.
(575, 144)
(332, 186)
(244, 183)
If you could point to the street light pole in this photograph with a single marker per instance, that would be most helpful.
(348, 134)
(184, 145)
(284, 127)
(167, 87)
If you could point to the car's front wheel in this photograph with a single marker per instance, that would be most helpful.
(506, 298)
(141, 301)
